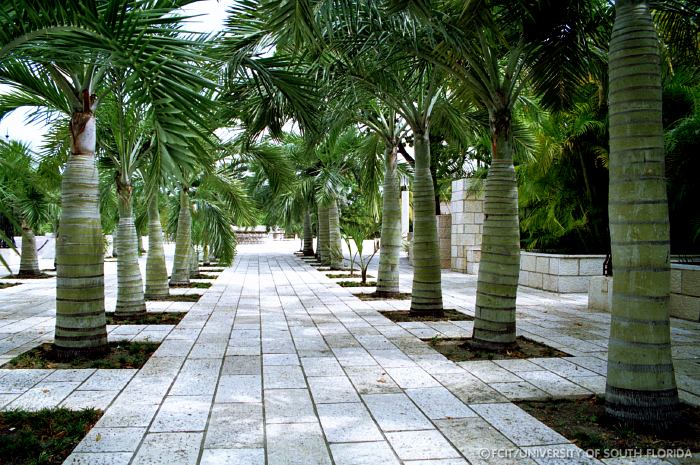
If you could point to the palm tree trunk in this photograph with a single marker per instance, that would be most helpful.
(335, 249)
(29, 262)
(388, 273)
(194, 262)
(130, 298)
(641, 386)
(183, 239)
(308, 236)
(205, 254)
(499, 268)
(323, 233)
(81, 328)
(156, 269)
(427, 286)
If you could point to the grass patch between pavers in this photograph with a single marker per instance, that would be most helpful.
(192, 286)
(584, 422)
(151, 318)
(345, 275)
(458, 349)
(45, 437)
(374, 296)
(122, 354)
(204, 276)
(32, 276)
(6, 285)
(176, 298)
(356, 284)
(404, 316)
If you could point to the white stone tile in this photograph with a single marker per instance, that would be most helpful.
(412, 377)
(111, 440)
(489, 372)
(296, 444)
(288, 406)
(396, 412)
(169, 449)
(439, 403)
(280, 359)
(235, 426)
(108, 380)
(347, 422)
(107, 458)
(553, 384)
(321, 366)
(233, 457)
(416, 445)
(182, 413)
(371, 380)
(78, 400)
(239, 388)
(283, 377)
(519, 391)
(517, 425)
(363, 453)
(332, 389)
(43, 395)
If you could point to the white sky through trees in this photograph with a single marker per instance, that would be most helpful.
(211, 16)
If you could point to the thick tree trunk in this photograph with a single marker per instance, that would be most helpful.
(335, 244)
(156, 269)
(130, 298)
(308, 236)
(388, 273)
(194, 262)
(183, 240)
(499, 268)
(81, 328)
(323, 236)
(427, 280)
(641, 386)
(29, 262)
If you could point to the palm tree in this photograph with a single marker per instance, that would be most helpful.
(641, 387)
(183, 239)
(63, 67)
(27, 199)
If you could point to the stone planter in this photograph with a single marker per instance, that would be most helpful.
(444, 225)
(559, 273)
(467, 225)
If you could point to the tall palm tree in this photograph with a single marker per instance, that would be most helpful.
(57, 54)
(641, 387)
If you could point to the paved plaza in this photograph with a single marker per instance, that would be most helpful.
(276, 364)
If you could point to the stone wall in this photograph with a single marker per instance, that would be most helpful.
(559, 273)
(444, 225)
(467, 225)
(685, 292)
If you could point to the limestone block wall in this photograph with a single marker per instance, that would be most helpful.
(558, 272)
(467, 225)
(444, 224)
(45, 245)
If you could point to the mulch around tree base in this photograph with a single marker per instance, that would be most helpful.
(403, 316)
(356, 284)
(151, 318)
(211, 269)
(122, 354)
(458, 349)
(192, 286)
(45, 437)
(204, 276)
(32, 276)
(176, 298)
(344, 275)
(6, 285)
(375, 296)
(585, 423)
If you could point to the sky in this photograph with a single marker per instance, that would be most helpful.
(213, 14)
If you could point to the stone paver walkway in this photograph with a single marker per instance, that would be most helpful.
(278, 365)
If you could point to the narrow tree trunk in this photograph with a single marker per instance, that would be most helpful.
(388, 273)
(335, 249)
(81, 328)
(323, 238)
(427, 281)
(139, 244)
(115, 252)
(308, 236)
(194, 262)
(641, 386)
(156, 269)
(130, 298)
(499, 268)
(29, 262)
(183, 240)
(205, 254)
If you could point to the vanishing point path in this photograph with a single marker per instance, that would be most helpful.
(276, 364)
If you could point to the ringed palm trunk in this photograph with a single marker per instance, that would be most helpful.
(194, 262)
(641, 386)
(183, 241)
(499, 268)
(308, 236)
(205, 254)
(29, 262)
(388, 273)
(81, 328)
(335, 244)
(323, 236)
(156, 269)
(426, 296)
(130, 298)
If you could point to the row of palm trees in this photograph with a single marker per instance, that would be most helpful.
(403, 71)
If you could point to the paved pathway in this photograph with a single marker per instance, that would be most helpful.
(277, 365)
